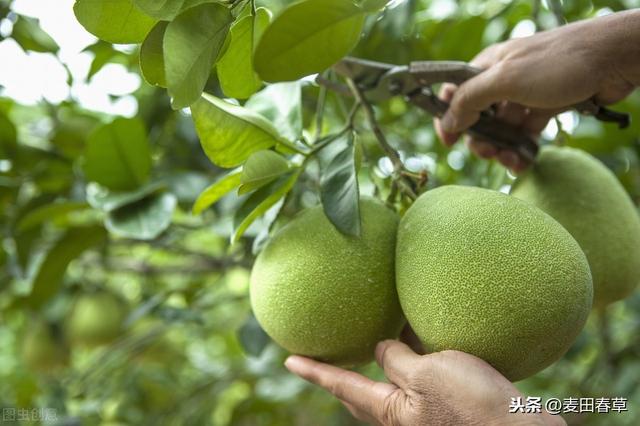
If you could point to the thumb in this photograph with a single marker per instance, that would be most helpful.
(471, 98)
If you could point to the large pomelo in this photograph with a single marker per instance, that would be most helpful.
(488, 274)
(322, 294)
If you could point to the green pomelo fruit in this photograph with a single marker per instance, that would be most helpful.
(95, 319)
(43, 350)
(488, 274)
(325, 295)
(587, 199)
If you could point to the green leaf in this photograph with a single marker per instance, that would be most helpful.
(308, 37)
(49, 212)
(216, 191)
(51, 271)
(152, 56)
(192, 43)
(8, 137)
(260, 169)
(373, 5)
(252, 337)
(281, 104)
(260, 202)
(115, 21)
(235, 68)
(339, 189)
(160, 9)
(27, 32)
(101, 198)
(117, 155)
(104, 53)
(229, 134)
(145, 219)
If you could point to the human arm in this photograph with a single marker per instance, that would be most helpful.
(532, 79)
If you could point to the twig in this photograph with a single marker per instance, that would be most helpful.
(398, 167)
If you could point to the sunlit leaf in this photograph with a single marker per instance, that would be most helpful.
(280, 103)
(260, 169)
(152, 56)
(308, 37)
(339, 188)
(192, 43)
(160, 9)
(115, 21)
(235, 69)
(216, 191)
(117, 155)
(229, 133)
(260, 202)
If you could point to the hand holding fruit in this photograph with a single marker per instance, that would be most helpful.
(443, 388)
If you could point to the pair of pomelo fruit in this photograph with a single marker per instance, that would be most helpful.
(508, 278)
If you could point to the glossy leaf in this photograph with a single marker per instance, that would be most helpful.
(216, 191)
(281, 104)
(260, 202)
(308, 37)
(49, 276)
(235, 69)
(260, 169)
(145, 219)
(160, 9)
(49, 212)
(191, 44)
(117, 155)
(115, 21)
(152, 56)
(229, 133)
(339, 189)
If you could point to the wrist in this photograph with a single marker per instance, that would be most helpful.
(616, 47)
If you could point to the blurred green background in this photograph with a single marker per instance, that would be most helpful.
(163, 293)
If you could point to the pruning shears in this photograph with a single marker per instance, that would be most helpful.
(380, 81)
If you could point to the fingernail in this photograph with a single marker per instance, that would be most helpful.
(291, 362)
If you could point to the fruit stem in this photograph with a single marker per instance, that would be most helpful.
(404, 184)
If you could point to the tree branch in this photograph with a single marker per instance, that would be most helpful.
(404, 184)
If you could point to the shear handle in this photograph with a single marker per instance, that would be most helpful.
(498, 133)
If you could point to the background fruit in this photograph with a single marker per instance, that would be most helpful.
(43, 350)
(319, 293)
(490, 275)
(587, 199)
(95, 319)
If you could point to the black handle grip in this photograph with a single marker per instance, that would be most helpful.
(498, 133)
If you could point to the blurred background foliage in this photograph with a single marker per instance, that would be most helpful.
(164, 293)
